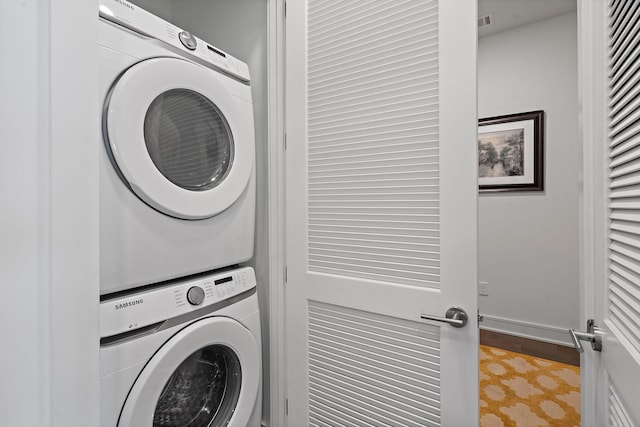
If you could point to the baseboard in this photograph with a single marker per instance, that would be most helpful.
(556, 352)
(529, 330)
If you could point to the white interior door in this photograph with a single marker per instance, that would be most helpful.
(611, 71)
(381, 170)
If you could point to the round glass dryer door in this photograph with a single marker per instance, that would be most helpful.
(188, 139)
(205, 375)
(179, 138)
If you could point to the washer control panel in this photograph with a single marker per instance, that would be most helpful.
(151, 306)
(139, 20)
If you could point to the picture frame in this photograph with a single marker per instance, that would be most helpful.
(510, 152)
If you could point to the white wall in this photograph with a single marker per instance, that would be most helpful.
(528, 241)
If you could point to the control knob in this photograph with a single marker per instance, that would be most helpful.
(195, 295)
(188, 40)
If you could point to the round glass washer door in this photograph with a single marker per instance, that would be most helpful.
(179, 137)
(205, 375)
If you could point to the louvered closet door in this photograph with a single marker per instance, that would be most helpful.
(381, 212)
(621, 348)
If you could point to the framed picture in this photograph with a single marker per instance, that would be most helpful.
(510, 152)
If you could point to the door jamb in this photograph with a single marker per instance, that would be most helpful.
(276, 200)
(593, 210)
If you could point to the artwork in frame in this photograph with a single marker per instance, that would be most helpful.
(510, 152)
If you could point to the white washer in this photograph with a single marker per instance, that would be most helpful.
(177, 178)
(183, 354)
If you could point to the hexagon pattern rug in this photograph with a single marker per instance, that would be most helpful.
(517, 390)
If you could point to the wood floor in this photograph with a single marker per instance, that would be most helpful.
(544, 350)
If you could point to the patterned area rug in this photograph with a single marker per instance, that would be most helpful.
(523, 391)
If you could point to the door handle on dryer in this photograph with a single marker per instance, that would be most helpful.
(455, 317)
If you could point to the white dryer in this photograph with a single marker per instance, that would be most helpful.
(183, 354)
(177, 179)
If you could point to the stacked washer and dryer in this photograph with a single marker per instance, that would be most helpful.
(180, 326)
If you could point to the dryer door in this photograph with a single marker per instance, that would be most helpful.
(207, 374)
(179, 138)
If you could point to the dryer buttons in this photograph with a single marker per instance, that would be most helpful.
(195, 295)
(188, 40)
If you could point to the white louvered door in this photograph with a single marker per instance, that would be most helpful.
(381, 196)
(618, 378)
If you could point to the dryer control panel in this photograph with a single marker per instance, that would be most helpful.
(151, 306)
(139, 20)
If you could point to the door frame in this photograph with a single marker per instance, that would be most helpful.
(275, 415)
(50, 262)
(592, 67)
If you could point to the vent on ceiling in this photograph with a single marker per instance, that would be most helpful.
(485, 20)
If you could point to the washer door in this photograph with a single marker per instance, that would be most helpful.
(207, 374)
(176, 135)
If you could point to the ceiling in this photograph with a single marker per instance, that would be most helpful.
(509, 14)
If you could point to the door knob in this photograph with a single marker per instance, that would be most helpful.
(592, 335)
(455, 317)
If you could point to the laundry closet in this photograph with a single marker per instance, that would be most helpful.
(237, 29)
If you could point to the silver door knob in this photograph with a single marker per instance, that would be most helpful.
(455, 317)
(592, 335)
